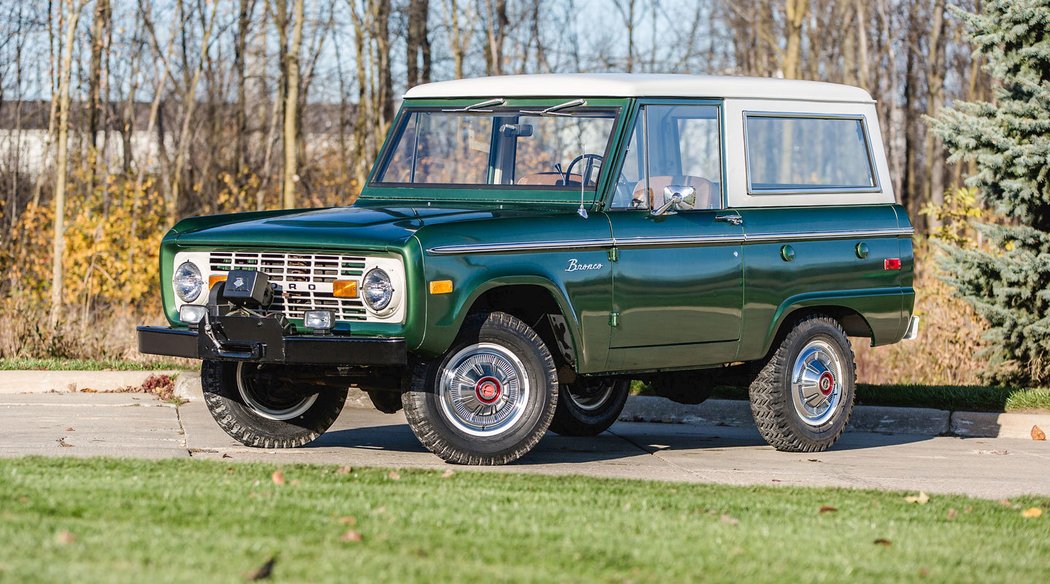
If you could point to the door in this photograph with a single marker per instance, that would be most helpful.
(677, 276)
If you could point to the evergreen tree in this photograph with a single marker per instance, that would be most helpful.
(1007, 279)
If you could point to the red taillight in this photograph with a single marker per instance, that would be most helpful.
(892, 264)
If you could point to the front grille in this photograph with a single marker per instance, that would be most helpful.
(301, 281)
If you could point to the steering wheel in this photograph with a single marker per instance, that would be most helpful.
(590, 159)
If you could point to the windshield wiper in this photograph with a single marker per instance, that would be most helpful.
(556, 110)
(476, 107)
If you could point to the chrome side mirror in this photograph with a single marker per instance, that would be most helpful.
(677, 198)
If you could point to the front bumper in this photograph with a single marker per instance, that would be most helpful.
(256, 341)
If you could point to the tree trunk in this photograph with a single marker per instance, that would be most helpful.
(291, 110)
(417, 43)
(794, 15)
(58, 241)
(932, 148)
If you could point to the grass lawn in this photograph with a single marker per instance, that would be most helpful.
(69, 520)
(20, 364)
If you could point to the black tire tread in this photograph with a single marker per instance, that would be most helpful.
(770, 404)
(250, 430)
(417, 411)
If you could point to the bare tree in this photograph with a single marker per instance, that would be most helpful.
(58, 246)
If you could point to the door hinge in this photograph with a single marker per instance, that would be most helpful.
(614, 254)
(614, 319)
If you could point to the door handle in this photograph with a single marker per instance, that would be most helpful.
(730, 219)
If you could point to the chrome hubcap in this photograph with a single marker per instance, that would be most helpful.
(816, 382)
(590, 396)
(483, 389)
(268, 405)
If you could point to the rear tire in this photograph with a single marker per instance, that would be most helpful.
(490, 398)
(589, 406)
(803, 397)
(267, 415)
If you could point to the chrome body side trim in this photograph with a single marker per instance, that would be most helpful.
(818, 235)
(664, 241)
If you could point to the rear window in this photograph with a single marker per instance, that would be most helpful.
(791, 154)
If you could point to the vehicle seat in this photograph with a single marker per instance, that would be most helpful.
(707, 195)
(550, 179)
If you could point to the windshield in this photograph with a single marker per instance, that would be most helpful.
(508, 148)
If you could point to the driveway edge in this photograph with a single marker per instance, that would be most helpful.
(718, 412)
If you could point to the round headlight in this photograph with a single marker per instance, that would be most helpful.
(188, 282)
(377, 290)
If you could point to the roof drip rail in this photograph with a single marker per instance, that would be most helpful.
(477, 106)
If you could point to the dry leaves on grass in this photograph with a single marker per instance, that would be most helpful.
(827, 509)
(393, 475)
(65, 538)
(952, 514)
(263, 572)
(348, 520)
(921, 499)
(351, 536)
(1032, 513)
(447, 473)
(1038, 434)
(883, 542)
(729, 520)
(345, 469)
(277, 477)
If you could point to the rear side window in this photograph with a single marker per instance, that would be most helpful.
(792, 154)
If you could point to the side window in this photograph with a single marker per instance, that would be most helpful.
(807, 154)
(684, 149)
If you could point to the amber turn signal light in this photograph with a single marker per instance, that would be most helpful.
(344, 288)
(215, 279)
(441, 287)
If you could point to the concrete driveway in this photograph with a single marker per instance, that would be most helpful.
(137, 425)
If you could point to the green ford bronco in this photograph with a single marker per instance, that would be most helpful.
(525, 246)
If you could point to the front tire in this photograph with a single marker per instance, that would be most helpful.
(588, 406)
(803, 397)
(264, 413)
(490, 398)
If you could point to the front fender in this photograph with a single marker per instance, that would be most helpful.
(582, 297)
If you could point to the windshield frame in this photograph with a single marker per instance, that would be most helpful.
(619, 107)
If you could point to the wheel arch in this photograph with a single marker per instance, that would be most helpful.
(851, 320)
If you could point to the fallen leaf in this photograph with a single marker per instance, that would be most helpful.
(827, 509)
(348, 520)
(345, 469)
(88, 390)
(883, 541)
(1032, 513)
(263, 572)
(952, 513)
(65, 538)
(1038, 434)
(70, 429)
(226, 455)
(923, 572)
(813, 459)
(62, 442)
(447, 473)
(729, 520)
(921, 499)
(1005, 503)
(351, 536)
(278, 477)
(393, 475)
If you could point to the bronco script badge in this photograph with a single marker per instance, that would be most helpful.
(576, 266)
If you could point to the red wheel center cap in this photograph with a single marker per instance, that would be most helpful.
(487, 390)
(826, 383)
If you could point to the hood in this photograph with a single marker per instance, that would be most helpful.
(357, 227)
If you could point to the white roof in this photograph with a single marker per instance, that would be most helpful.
(639, 85)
